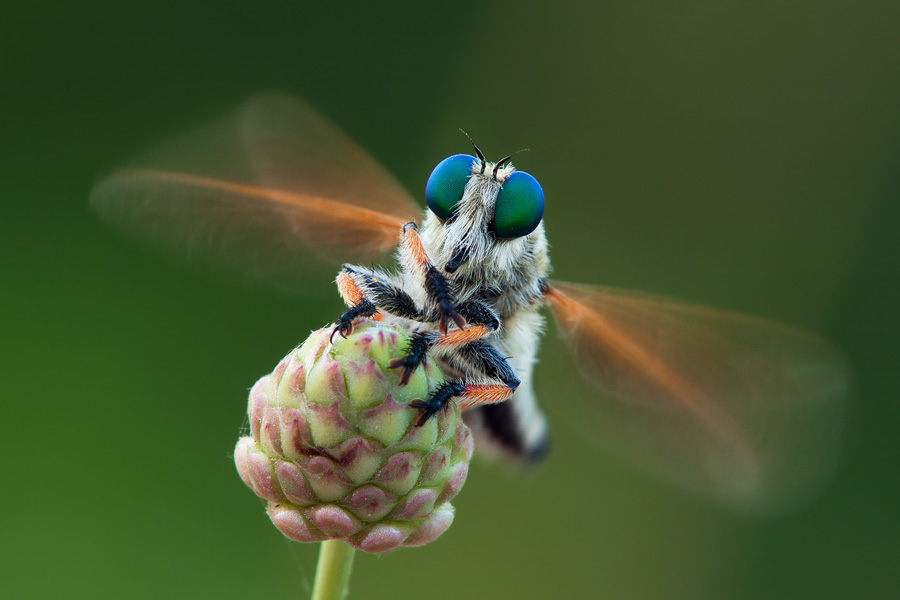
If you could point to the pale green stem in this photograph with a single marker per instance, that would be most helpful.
(333, 570)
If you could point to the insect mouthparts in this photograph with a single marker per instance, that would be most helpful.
(460, 255)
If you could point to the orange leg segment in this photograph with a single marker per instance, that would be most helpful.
(413, 246)
(479, 395)
(351, 293)
(458, 337)
(348, 290)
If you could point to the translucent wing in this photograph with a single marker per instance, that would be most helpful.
(259, 191)
(734, 406)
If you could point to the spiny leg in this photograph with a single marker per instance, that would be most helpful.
(366, 293)
(415, 355)
(482, 321)
(364, 309)
(469, 395)
(355, 299)
(415, 260)
(481, 360)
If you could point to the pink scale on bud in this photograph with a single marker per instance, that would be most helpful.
(464, 443)
(293, 484)
(314, 347)
(436, 524)
(294, 382)
(257, 404)
(380, 539)
(270, 432)
(370, 503)
(423, 437)
(400, 472)
(366, 384)
(333, 521)
(362, 343)
(327, 481)
(388, 422)
(293, 524)
(255, 468)
(359, 458)
(280, 369)
(419, 503)
(436, 467)
(455, 481)
(327, 425)
(295, 435)
(325, 382)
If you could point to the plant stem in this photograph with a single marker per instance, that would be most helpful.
(333, 570)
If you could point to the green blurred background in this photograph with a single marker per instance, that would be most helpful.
(743, 155)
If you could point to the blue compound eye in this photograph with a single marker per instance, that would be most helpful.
(520, 206)
(447, 182)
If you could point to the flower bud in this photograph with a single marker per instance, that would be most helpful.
(335, 450)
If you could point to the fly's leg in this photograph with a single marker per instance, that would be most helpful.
(481, 361)
(438, 400)
(415, 260)
(466, 350)
(415, 355)
(367, 293)
(482, 321)
(469, 396)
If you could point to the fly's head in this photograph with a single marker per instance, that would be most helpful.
(483, 217)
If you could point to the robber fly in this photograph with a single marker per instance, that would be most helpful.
(741, 408)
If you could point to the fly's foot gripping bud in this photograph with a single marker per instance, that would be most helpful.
(415, 355)
(438, 400)
(335, 450)
(345, 324)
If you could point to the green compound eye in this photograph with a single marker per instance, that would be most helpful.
(520, 206)
(447, 182)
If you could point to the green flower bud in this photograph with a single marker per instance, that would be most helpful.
(335, 451)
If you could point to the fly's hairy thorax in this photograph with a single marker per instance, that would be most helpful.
(503, 274)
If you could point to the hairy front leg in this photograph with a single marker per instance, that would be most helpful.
(367, 293)
(416, 261)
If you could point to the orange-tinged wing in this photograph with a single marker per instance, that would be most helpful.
(265, 190)
(743, 409)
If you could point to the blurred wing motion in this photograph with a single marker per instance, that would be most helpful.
(733, 406)
(257, 189)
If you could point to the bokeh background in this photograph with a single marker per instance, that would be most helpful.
(743, 155)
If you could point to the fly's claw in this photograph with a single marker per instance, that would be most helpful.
(409, 364)
(364, 309)
(439, 290)
(345, 328)
(429, 409)
(448, 313)
(418, 349)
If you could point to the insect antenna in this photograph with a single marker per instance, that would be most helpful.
(503, 160)
(477, 150)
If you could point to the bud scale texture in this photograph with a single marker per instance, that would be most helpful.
(334, 449)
